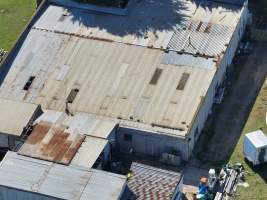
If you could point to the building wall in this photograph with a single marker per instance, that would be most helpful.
(217, 80)
(178, 195)
(144, 143)
(13, 194)
(4, 141)
(8, 141)
(151, 144)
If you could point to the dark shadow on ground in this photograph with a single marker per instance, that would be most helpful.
(261, 170)
(224, 127)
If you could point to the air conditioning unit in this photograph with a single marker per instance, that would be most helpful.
(170, 159)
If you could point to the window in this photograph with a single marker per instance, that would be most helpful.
(28, 83)
(155, 76)
(127, 137)
(183, 81)
(72, 95)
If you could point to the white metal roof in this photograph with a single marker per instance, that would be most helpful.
(89, 151)
(65, 182)
(257, 138)
(15, 116)
(83, 123)
(113, 79)
(111, 59)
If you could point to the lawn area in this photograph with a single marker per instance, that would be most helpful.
(14, 14)
(256, 178)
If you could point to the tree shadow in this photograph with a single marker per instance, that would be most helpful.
(143, 16)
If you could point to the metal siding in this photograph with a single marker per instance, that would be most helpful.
(159, 141)
(39, 177)
(219, 76)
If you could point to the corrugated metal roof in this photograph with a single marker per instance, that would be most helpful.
(257, 138)
(174, 58)
(113, 80)
(52, 143)
(202, 38)
(106, 63)
(148, 183)
(15, 116)
(146, 24)
(64, 182)
(83, 123)
(89, 151)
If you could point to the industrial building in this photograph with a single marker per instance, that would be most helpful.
(65, 157)
(153, 67)
(34, 179)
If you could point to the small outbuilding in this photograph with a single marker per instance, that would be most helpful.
(255, 147)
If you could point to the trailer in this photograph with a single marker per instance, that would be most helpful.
(255, 147)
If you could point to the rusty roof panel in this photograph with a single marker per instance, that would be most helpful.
(52, 143)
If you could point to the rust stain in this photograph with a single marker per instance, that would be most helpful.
(189, 26)
(208, 28)
(39, 132)
(60, 148)
(199, 26)
(73, 148)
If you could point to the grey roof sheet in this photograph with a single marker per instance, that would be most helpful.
(202, 38)
(105, 57)
(113, 80)
(65, 182)
(174, 58)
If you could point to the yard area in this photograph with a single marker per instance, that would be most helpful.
(242, 110)
(257, 178)
(14, 15)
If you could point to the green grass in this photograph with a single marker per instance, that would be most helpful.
(14, 15)
(256, 178)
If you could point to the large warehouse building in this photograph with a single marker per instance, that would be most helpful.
(152, 67)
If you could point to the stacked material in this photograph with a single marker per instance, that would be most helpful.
(228, 180)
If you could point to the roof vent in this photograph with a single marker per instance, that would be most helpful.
(72, 95)
(29, 83)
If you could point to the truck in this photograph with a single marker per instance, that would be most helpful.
(255, 147)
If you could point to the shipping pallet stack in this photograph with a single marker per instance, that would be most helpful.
(229, 177)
